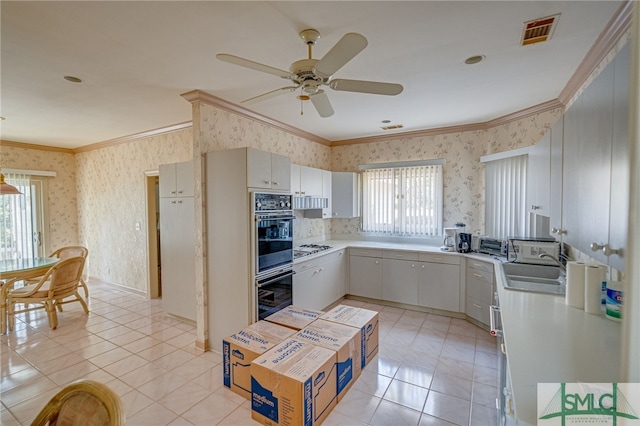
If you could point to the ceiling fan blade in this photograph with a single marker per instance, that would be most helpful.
(236, 60)
(321, 102)
(270, 95)
(362, 86)
(344, 50)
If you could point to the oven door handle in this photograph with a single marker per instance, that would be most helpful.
(276, 216)
(493, 309)
(268, 280)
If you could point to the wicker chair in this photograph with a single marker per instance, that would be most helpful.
(60, 282)
(86, 403)
(73, 251)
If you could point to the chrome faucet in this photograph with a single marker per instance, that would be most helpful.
(555, 259)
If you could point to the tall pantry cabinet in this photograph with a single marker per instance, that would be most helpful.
(177, 240)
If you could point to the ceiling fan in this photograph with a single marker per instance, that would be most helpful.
(310, 74)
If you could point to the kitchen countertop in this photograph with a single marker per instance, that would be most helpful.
(546, 340)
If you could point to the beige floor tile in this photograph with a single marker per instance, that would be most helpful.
(209, 411)
(154, 414)
(184, 397)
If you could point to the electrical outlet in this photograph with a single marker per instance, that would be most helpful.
(309, 232)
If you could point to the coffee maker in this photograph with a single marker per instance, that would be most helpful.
(464, 242)
(450, 239)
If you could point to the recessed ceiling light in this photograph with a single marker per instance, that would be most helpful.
(72, 79)
(474, 59)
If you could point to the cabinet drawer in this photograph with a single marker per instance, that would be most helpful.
(365, 252)
(451, 259)
(477, 274)
(332, 256)
(305, 266)
(479, 289)
(480, 265)
(400, 254)
(478, 310)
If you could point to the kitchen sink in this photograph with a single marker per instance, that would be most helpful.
(534, 278)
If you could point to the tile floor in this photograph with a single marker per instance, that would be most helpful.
(430, 370)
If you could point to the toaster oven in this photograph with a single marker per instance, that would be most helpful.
(492, 246)
(529, 251)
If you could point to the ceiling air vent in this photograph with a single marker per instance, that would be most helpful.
(392, 127)
(539, 30)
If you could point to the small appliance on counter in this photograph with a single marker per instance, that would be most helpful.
(450, 239)
(464, 242)
(492, 246)
(528, 250)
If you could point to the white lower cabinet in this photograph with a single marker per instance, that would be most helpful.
(321, 281)
(480, 288)
(439, 282)
(400, 277)
(365, 273)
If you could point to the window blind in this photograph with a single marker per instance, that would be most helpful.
(404, 201)
(505, 196)
(16, 224)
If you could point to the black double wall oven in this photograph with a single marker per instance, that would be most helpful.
(273, 247)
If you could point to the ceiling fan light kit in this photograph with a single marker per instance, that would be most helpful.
(310, 74)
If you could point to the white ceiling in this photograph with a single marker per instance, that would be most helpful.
(136, 59)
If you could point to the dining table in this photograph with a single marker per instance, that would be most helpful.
(12, 270)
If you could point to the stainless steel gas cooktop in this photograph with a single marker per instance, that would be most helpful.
(308, 249)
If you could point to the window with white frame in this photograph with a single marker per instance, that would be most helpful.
(403, 199)
(505, 194)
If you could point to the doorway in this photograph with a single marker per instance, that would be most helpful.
(154, 285)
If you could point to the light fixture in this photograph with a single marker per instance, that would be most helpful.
(5, 188)
(72, 79)
(474, 59)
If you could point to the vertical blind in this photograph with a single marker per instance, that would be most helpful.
(16, 223)
(403, 200)
(505, 196)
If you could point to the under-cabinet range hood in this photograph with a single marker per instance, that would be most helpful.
(310, 203)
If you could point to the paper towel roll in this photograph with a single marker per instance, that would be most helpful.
(575, 284)
(594, 275)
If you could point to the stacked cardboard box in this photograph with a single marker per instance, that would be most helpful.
(294, 317)
(299, 380)
(239, 349)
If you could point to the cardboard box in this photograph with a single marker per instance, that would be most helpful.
(368, 323)
(239, 349)
(343, 339)
(293, 384)
(294, 317)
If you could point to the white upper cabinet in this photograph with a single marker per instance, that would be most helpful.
(555, 191)
(310, 182)
(538, 176)
(176, 180)
(327, 193)
(268, 171)
(345, 197)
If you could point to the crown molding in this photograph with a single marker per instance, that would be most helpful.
(135, 136)
(36, 146)
(537, 109)
(207, 98)
(619, 24)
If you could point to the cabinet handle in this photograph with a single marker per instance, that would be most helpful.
(179, 201)
(413, 265)
(180, 192)
(172, 192)
(173, 202)
(534, 207)
(596, 246)
(475, 274)
(558, 231)
(266, 181)
(275, 183)
(477, 306)
(608, 251)
(377, 261)
(422, 266)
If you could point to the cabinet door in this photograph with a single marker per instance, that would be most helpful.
(310, 182)
(177, 249)
(326, 193)
(280, 172)
(400, 281)
(538, 175)
(307, 287)
(587, 161)
(184, 179)
(295, 179)
(365, 276)
(344, 195)
(258, 169)
(439, 286)
(555, 190)
(167, 180)
(619, 205)
(335, 278)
